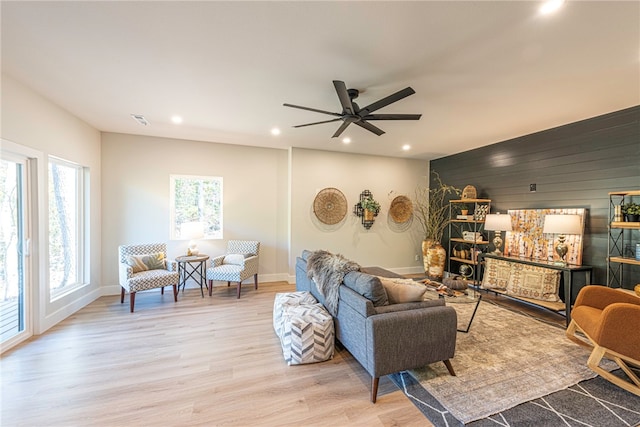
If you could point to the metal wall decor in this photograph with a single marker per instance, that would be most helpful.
(330, 206)
(358, 210)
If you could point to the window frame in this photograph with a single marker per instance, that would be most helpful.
(174, 227)
(82, 234)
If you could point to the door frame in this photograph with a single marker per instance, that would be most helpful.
(31, 159)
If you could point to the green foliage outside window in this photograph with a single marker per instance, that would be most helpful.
(196, 198)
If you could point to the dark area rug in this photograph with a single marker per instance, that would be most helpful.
(594, 402)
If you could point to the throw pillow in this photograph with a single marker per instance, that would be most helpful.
(146, 262)
(496, 274)
(403, 290)
(368, 286)
(235, 259)
(530, 281)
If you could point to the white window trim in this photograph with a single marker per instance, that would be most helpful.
(82, 197)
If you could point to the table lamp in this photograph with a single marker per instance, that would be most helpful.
(497, 223)
(192, 231)
(562, 225)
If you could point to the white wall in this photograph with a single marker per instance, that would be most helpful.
(31, 121)
(135, 197)
(385, 244)
(268, 196)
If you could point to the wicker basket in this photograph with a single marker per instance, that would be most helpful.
(469, 192)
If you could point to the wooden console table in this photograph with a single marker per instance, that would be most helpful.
(568, 272)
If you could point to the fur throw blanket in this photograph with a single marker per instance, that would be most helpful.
(327, 271)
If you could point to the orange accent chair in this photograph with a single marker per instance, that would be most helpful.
(610, 320)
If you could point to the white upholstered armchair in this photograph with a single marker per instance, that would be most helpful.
(239, 263)
(145, 267)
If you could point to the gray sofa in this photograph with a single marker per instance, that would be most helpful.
(386, 338)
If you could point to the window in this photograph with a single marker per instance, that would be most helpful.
(199, 199)
(66, 226)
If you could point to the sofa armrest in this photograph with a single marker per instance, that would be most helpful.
(409, 339)
(217, 261)
(251, 263)
(613, 332)
(124, 273)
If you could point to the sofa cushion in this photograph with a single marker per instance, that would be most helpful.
(368, 286)
(146, 262)
(392, 308)
(402, 290)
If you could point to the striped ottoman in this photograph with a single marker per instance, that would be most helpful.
(288, 299)
(305, 329)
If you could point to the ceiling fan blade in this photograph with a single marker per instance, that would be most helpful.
(341, 129)
(317, 123)
(312, 109)
(392, 117)
(343, 95)
(368, 126)
(386, 101)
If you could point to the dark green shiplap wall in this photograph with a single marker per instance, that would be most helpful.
(574, 165)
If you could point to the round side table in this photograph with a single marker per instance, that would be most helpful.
(195, 263)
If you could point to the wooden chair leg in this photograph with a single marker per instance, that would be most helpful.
(239, 288)
(255, 279)
(571, 334)
(210, 286)
(121, 295)
(132, 300)
(175, 293)
(374, 389)
(228, 284)
(447, 363)
(162, 290)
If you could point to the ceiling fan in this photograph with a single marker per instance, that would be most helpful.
(352, 113)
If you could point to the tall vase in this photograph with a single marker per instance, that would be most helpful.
(437, 257)
(426, 244)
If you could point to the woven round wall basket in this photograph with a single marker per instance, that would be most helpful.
(469, 192)
(401, 209)
(330, 206)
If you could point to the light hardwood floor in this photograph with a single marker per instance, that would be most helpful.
(201, 361)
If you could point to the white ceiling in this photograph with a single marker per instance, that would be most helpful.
(484, 71)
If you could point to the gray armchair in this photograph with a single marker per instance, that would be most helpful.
(239, 263)
(145, 267)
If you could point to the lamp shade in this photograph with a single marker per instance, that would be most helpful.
(497, 222)
(192, 230)
(562, 224)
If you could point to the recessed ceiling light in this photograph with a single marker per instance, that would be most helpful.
(176, 119)
(550, 6)
(275, 131)
(346, 140)
(406, 147)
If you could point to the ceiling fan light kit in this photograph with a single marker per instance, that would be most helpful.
(352, 113)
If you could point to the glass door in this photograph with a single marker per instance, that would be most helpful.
(13, 249)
